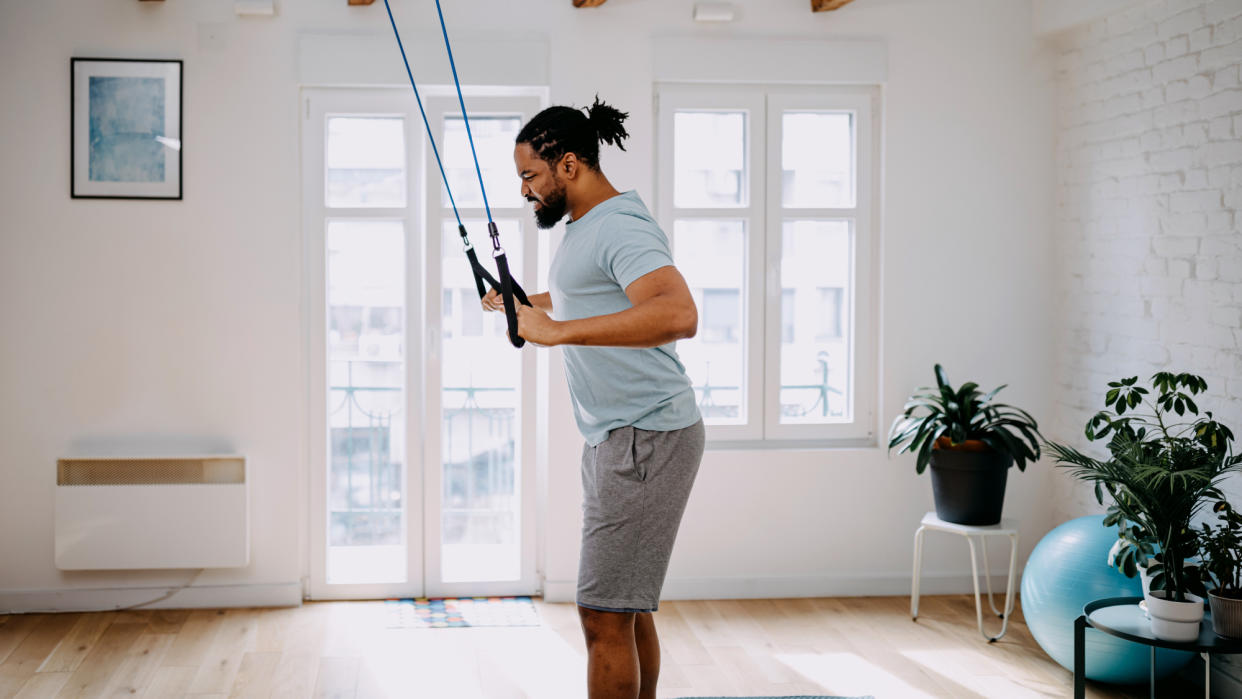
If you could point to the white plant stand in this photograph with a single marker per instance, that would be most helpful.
(1007, 527)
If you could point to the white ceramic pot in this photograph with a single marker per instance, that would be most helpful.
(1174, 621)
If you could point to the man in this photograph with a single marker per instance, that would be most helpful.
(618, 304)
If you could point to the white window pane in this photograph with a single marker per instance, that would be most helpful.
(817, 159)
(712, 257)
(366, 161)
(366, 402)
(709, 159)
(480, 370)
(493, 139)
(816, 361)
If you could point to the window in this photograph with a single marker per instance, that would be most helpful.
(481, 398)
(365, 162)
(769, 197)
(721, 316)
(829, 312)
(422, 481)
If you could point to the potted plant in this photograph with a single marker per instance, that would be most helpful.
(1160, 471)
(969, 442)
(1221, 550)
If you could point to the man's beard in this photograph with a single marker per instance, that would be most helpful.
(551, 209)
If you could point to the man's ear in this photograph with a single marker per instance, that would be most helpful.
(569, 165)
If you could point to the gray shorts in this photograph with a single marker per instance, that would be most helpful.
(635, 485)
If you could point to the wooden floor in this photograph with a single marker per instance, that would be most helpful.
(846, 646)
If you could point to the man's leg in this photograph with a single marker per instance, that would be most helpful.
(612, 656)
(648, 654)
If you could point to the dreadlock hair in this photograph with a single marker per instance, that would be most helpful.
(559, 130)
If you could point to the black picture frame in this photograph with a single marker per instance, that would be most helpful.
(125, 128)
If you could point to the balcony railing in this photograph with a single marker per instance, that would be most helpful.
(362, 471)
(822, 391)
(478, 450)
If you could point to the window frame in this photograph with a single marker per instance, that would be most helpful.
(764, 216)
(670, 100)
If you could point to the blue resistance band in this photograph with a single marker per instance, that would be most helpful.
(505, 286)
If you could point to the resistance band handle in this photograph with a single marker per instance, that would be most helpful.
(506, 293)
(474, 262)
(484, 279)
(507, 286)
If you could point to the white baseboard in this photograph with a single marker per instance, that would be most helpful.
(809, 586)
(106, 599)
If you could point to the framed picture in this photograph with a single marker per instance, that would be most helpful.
(125, 140)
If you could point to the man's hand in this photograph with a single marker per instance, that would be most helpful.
(493, 301)
(536, 327)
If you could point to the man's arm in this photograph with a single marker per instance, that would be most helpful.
(493, 301)
(663, 311)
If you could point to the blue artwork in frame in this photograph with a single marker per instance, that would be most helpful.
(126, 128)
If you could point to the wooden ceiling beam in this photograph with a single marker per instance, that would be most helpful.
(828, 5)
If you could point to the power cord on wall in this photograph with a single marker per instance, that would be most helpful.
(171, 591)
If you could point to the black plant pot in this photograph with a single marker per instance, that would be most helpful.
(969, 485)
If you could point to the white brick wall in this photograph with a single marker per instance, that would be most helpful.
(1149, 213)
(1149, 153)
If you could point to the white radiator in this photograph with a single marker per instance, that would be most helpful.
(128, 513)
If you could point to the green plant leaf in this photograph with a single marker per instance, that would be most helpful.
(988, 398)
(925, 448)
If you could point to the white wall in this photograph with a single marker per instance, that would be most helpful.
(160, 325)
(1149, 215)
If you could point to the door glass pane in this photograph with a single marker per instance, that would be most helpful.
(709, 159)
(817, 349)
(480, 502)
(493, 139)
(817, 159)
(366, 402)
(711, 255)
(366, 161)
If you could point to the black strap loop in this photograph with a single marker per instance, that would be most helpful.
(506, 286)
(481, 275)
(506, 293)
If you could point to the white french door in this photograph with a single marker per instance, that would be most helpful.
(422, 482)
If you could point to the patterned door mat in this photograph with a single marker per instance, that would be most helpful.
(458, 612)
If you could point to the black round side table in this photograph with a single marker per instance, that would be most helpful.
(1122, 617)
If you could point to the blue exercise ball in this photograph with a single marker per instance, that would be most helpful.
(1069, 568)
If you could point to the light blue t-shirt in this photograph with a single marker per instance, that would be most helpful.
(602, 253)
